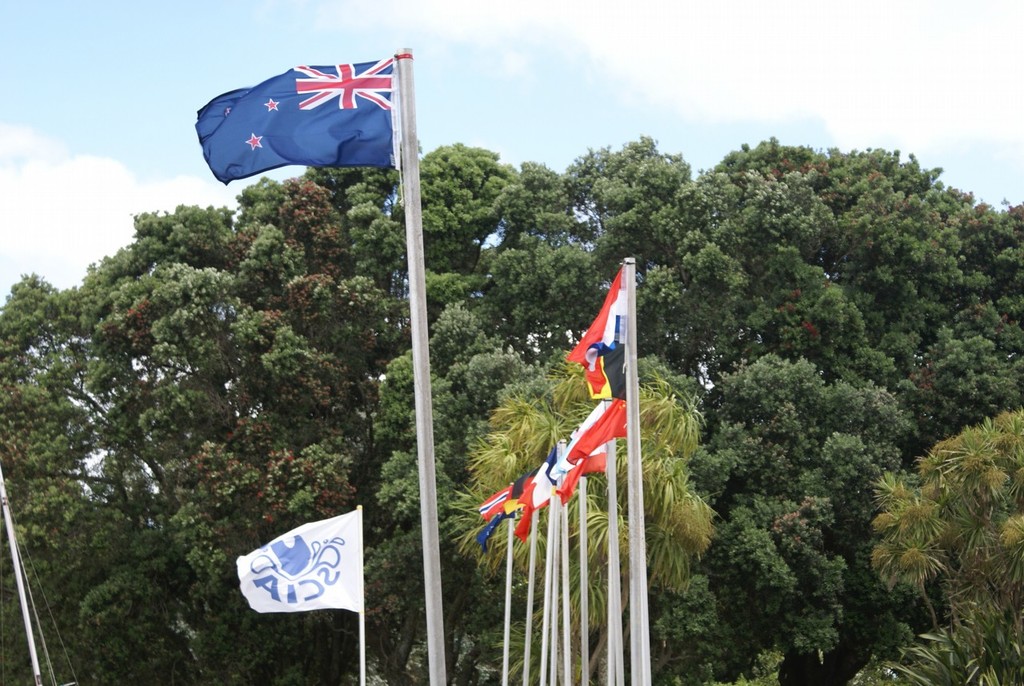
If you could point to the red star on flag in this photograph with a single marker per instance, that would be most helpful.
(271, 105)
(254, 141)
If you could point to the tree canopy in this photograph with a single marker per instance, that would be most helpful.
(960, 523)
(830, 316)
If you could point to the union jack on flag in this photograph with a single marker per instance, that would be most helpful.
(372, 84)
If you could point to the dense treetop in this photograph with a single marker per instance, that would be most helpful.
(823, 317)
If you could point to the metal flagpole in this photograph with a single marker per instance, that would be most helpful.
(421, 369)
(584, 589)
(616, 649)
(640, 637)
(529, 598)
(544, 636)
(508, 599)
(555, 506)
(362, 604)
(566, 618)
(16, 563)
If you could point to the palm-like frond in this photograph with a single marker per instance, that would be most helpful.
(523, 429)
(964, 525)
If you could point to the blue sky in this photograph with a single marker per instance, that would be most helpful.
(100, 98)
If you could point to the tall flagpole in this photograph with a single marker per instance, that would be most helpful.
(529, 598)
(549, 550)
(362, 602)
(616, 651)
(508, 599)
(640, 637)
(555, 513)
(421, 369)
(16, 563)
(584, 589)
(616, 670)
(566, 600)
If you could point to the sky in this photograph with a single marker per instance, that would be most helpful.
(100, 98)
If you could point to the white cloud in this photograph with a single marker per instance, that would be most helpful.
(18, 144)
(915, 74)
(63, 212)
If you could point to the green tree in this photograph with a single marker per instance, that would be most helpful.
(859, 263)
(630, 200)
(461, 187)
(537, 203)
(961, 525)
(220, 385)
(45, 443)
(679, 524)
(534, 295)
(983, 651)
(790, 466)
(471, 371)
(225, 377)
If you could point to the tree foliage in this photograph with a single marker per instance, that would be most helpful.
(961, 524)
(225, 377)
(679, 523)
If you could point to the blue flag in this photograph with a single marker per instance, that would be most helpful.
(336, 116)
(488, 530)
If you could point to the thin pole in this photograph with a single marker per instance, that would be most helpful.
(421, 369)
(566, 617)
(544, 636)
(555, 505)
(16, 563)
(616, 649)
(529, 598)
(362, 647)
(640, 637)
(584, 589)
(508, 599)
(362, 604)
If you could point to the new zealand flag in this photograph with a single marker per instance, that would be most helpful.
(333, 116)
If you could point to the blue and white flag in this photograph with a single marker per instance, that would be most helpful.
(314, 567)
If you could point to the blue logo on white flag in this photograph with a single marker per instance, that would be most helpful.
(317, 566)
(295, 573)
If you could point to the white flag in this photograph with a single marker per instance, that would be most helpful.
(314, 567)
(563, 466)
